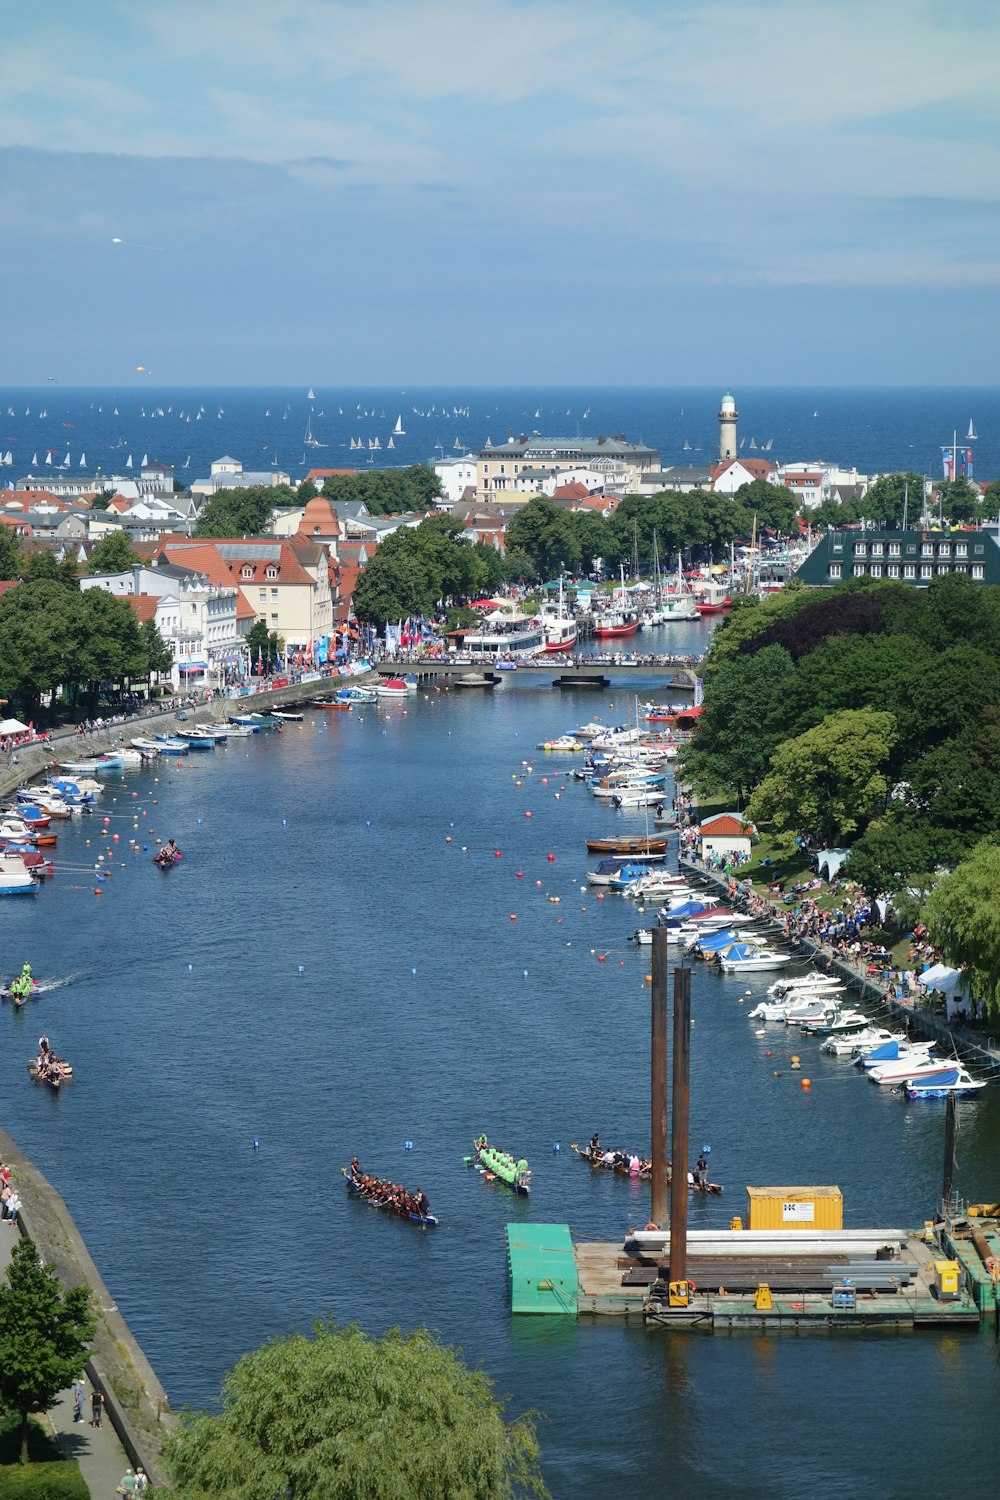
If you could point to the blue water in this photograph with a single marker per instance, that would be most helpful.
(192, 1032)
(875, 430)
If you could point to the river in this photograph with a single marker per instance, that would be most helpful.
(367, 944)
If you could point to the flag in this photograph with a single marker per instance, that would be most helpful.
(260, 660)
(947, 462)
(967, 463)
(699, 692)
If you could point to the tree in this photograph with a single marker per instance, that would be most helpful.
(340, 1415)
(243, 512)
(963, 916)
(890, 498)
(45, 1336)
(11, 553)
(960, 502)
(900, 853)
(544, 532)
(42, 631)
(114, 553)
(733, 746)
(159, 657)
(775, 505)
(387, 492)
(829, 780)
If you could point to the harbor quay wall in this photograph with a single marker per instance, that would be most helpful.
(136, 1403)
(953, 1035)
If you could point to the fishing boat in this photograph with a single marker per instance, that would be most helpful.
(640, 845)
(712, 599)
(559, 630)
(680, 605)
(615, 622)
(492, 1163)
(389, 1204)
(955, 1080)
(332, 705)
(357, 695)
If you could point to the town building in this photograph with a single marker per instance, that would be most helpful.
(914, 557)
(286, 583)
(731, 474)
(726, 834)
(229, 474)
(621, 463)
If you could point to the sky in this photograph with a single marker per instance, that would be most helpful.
(633, 192)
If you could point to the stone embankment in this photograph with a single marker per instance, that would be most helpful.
(136, 1403)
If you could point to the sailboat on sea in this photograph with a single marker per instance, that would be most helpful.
(971, 434)
(399, 430)
(311, 395)
(310, 441)
(390, 443)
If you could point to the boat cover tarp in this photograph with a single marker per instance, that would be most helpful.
(685, 910)
(717, 942)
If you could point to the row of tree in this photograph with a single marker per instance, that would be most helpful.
(895, 498)
(417, 569)
(867, 715)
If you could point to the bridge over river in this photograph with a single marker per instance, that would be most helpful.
(580, 671)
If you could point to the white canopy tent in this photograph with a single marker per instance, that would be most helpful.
(12, 726)
(830, 861)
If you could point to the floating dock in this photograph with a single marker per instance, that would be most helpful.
(847, 1279)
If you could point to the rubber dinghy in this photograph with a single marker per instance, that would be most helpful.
(491, 1162)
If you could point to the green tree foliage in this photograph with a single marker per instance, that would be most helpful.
(963, 915)
(266, 646)
(340, 1415)
(415, 569)
(960, 503)
(244, 512)
(387, 492)
(774, 505)
(829, 780)
(547, 534)
(12, 560)
(114, 553)
(159, 657)
(735, 739)
(900, 854)
(45, 1336)
(42, 565)
(890, 498)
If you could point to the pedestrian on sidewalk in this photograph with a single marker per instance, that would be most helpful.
(78, 1400)
(96, 1407)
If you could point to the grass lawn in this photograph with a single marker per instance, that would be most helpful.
(42, 1446)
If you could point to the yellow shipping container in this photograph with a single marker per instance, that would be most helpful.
(795, 1208)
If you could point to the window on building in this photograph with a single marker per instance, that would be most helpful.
(274, 596)
(927, 549)
(876, 549)
(961, 549)
(263, 594)
(978, 570)
(274, 618)
(978, 549)
(893, 549)
(911, 548)
(926, 570)
(943, 568)
(270, 572)
(833, 571)
(876, 570)
(860, 549)
(246, 572)
(944, 550)
(892, 570)
(859, 570)
(909, 571)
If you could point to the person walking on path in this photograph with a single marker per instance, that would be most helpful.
(78, 1400)
(96, 1407)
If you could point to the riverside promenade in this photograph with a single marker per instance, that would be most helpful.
(955, 1036)
(137, 1414)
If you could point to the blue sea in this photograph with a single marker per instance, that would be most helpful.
(370, 947)
(875, 430)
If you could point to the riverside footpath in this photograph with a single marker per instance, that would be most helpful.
(137, 1414)
(877, 987)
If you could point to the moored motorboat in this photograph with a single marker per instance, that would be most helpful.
(644, 846)
(15, 878)
(354, 694)
(388, 1196)
(494, 1163)
(21, 831)
(954, 1080)
(750, 958)
(392, 687)
(286, 716)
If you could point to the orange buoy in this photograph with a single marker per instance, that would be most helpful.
(528, 814)
(807, 1083)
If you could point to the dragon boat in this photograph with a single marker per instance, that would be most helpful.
(491, 1162)
(620, 1162)
(397, 1205)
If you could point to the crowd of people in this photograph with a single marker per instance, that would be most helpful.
(390, 1195)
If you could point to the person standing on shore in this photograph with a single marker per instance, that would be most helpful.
(96, 1407)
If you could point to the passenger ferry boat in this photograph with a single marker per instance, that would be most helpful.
(505, 634)
(558, 626)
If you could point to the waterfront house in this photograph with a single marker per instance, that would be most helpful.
(914, 557)
(499, 468)
(726, 834)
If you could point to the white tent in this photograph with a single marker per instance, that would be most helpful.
(940, 977)
(829, 862)
(13, 726)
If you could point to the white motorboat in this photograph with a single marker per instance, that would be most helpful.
(953, 1080)
(77, 768)
(858, 1042)
(286, 716)
(50, 802)
(894, 1051)
(16, 829)
(392, 687)
(240, 732)
(505, 633)
(811, 981)
(145, 746)
(562, 742)
(905, 1068)
(749, 958)
(654, 888)
(638, 796)
(357, 695)
(839, 1023)
(790, 1012)
(15, 879)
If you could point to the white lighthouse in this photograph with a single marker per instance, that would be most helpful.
(728, 417)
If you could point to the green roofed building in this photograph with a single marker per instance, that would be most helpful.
(914, 557)
(543, 1276)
